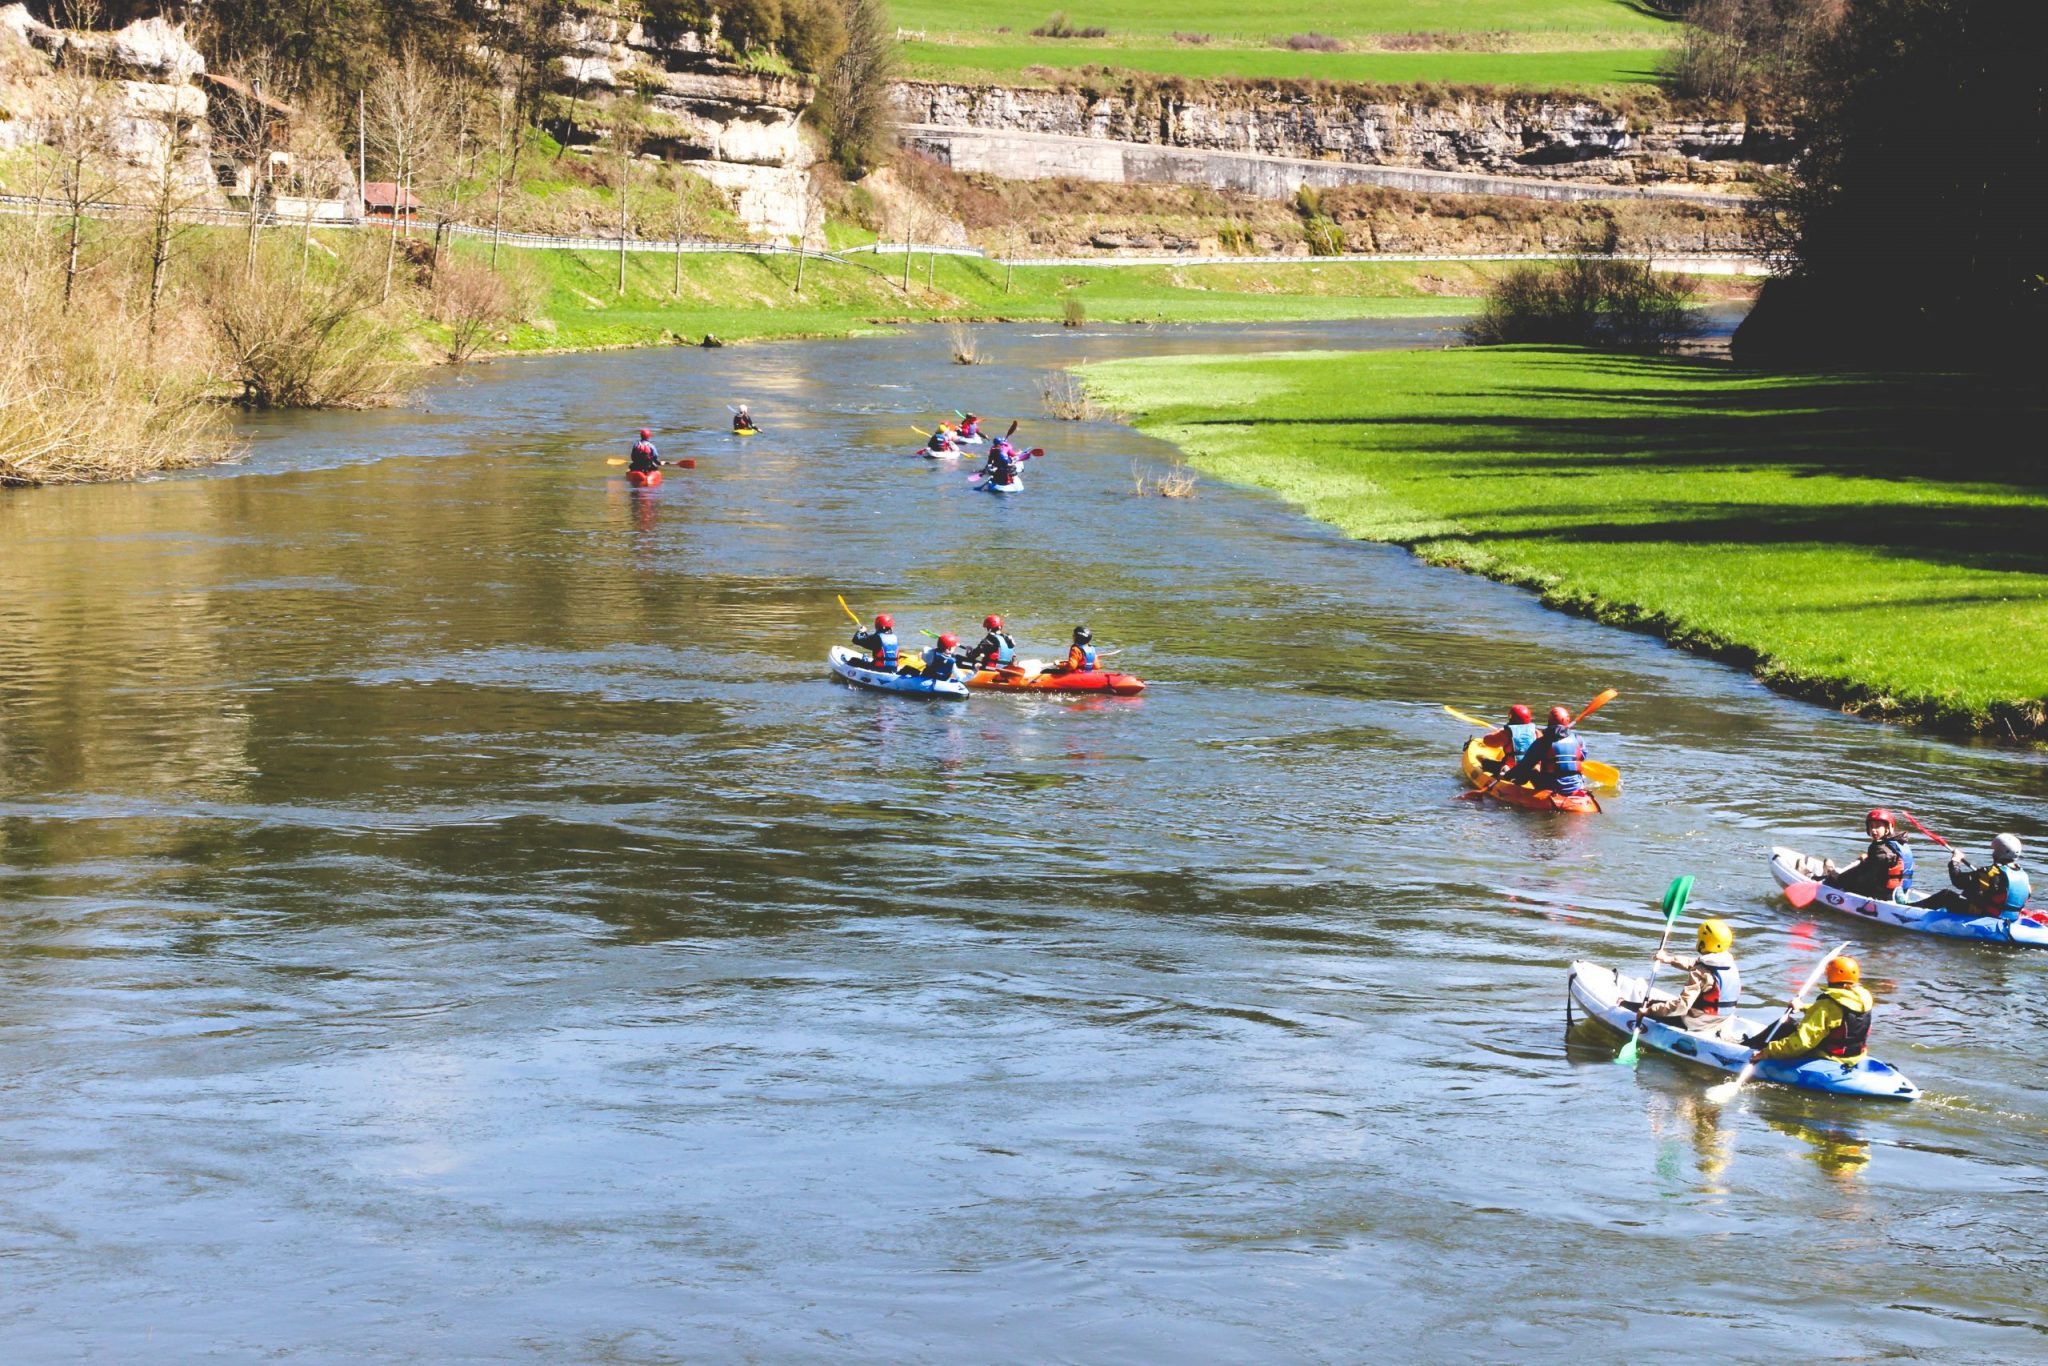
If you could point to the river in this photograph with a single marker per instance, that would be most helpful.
(451, 912)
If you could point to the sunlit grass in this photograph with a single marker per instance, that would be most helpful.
(1848, 535)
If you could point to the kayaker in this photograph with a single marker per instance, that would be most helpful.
(1002, 462)
(1513, 739)
(941, 441)
(995, 649)
(941, 661)
(1556, 758)
(1080, 655)
(1712, 984)
(644, 457)
(742, 420)
(970, 426)
(2001, 890)
(1836, 1025)
(880, 643)
(1885, 871)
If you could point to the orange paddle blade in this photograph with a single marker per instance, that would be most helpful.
(1596, 704)
(1802, 893)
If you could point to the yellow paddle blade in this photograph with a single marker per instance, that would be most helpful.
(618, 460)
(1601, 775)
(848, 610)
(1468, 718)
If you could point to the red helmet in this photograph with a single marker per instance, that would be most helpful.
(993, 622)
(1560, 716)
(884, 622)
(1879, 816)
(949, 641)
(644, 434)
(1519, 715)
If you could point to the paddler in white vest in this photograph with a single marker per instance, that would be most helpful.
(1712, 982)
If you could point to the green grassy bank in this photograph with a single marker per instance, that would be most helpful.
(1870, 541)
(577, 303)
(1009, 63)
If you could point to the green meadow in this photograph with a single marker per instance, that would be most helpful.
(1591, 70)
(1873, 541)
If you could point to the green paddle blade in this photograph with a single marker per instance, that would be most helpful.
(1675, 897)
(1627, 1056)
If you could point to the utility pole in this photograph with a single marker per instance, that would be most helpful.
(362, 157)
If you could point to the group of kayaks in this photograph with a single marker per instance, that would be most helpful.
(1026, 675)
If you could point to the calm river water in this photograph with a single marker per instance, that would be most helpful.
(450, 912)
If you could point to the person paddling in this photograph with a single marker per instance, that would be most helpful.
(1713, 983)
(970, 426)
(1002, 462)
(742, 420)
(2002, 890)
(643, 458)
(1081, 656)
(1885, 872)
(941, 441)
(942, 661)
(994, 650)
(1557, 758)
(1512, 740)
(880, 643)
(1836, 1025)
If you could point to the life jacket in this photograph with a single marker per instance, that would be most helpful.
(1727, 987)
(1004, 651)
(970, 429)
(882, 644)
(645, 457)
(939, 442)
(1565, 769)
(2017, 889)
(938, 665)
(1087, 661)
(1519, 740)
(1898, 879)
(1850, 1038)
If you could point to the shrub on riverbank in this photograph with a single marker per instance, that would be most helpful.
(1866, 540)
(1617, 305)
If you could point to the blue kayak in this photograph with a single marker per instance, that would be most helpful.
(849, 665)
(1789, 866)
(1600, 992)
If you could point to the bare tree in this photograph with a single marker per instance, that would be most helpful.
(168, 193)
(629, 128)
(405, 123)
(81, 126)
(812, 220)
(682, 211)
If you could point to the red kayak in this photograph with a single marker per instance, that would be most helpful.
(1077, 680)
(644, 479)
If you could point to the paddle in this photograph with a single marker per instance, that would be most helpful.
(1674, 906)
(848, 610)
(1727, 1090)
(674, 464)
(1022, 456)
(1469, 719)
(1596, 704)
(1597, 773)
(1929, 833)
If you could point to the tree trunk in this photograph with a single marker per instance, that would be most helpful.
(71, 255)
(800, 268)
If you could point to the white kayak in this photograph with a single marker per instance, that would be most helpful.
(1600, 992)
(1016, 485)
(1789, 866)
(930, 454)
(847, 664)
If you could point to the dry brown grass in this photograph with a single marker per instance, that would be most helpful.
(84, 402)
(961, 341)
(1066, 398)
(1178, 481)
(471, 300)
(318, 345)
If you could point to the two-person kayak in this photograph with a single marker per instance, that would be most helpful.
(1030, 676)
(1600, 991)
(850, 665)
(1475, 764)
(1789, 866)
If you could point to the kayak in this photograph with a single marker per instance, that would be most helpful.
(1518, 794)
(1789, 866)
(1016, 485)
(928, 453)
(1600, 991)
(1044, 680)
(746, 431)
(644, 479)
(846, 663)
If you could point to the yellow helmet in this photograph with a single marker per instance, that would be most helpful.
(1715, 936)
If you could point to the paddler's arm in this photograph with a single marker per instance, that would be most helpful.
(1805, 1037)
(1678, 1005)
(1522, 770)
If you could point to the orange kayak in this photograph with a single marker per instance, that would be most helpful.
(1518, 794)
(1079, 680)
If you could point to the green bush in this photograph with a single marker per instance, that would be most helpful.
(1618, 305)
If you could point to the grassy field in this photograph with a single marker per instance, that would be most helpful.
(1595, 69)
(1857, 539)
(739, 296)
(1536, 44)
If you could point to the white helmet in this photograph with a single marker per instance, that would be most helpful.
(2006, 849)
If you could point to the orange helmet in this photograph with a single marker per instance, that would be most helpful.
(1844, 971)
(1560, 716)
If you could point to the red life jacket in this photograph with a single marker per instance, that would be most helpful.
(1850, 1038)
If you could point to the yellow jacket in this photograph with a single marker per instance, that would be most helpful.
(1820, 1020)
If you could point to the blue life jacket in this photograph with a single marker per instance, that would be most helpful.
(881, 645)
(1905, 853)
(1006, 649)
(1727, 988)
(938, 665)
(1088, 657)
(1519, 740)
(2017, 890)
(1565, 770)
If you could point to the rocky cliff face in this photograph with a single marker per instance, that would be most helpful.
(1528, 136)
(156, 110)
